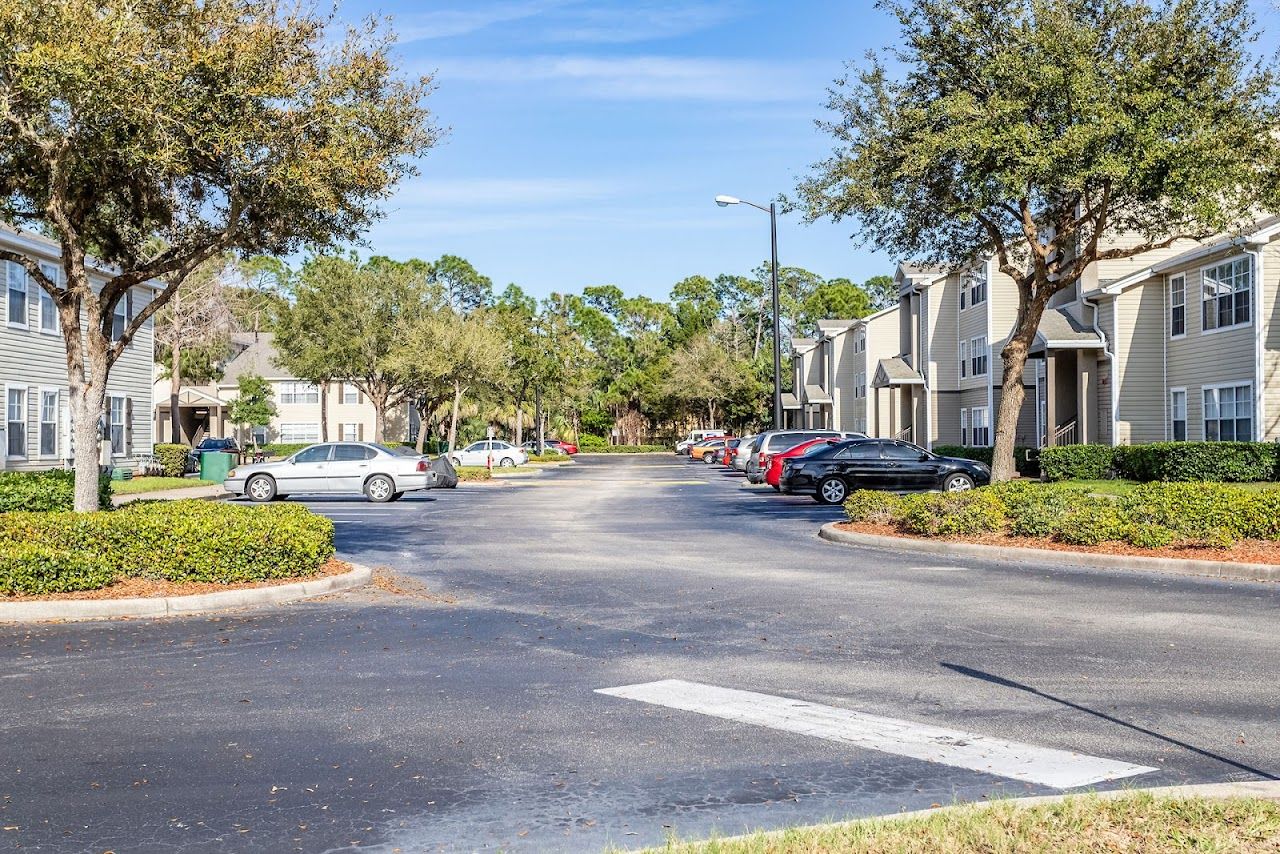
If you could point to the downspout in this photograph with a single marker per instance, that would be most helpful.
(1254, 250)
(991, 360)
(1111, 361)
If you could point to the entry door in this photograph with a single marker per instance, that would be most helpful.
(308, 472)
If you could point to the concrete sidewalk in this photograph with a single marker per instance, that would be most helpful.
(199, 493)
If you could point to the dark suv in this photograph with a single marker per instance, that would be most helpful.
(225, 446)
(830, 473)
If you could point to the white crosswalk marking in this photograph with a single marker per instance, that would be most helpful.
(1045, 766)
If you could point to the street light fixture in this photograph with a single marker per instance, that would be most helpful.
(772, 211)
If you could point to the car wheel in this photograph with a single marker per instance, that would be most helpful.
(776, 487)
(957, 483)
(457, 461)
(832, 490)
(506, 462)
(379, 489)
(261, 488)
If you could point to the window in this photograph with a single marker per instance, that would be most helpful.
(476, 446)
(860, 451)
(318, 454)
(964, 290)
(1228, 413)
(296, 433)
(16, 421)
(1178, 306)
(350, 394)
(1178, 414)
(16, 277)
(981, 426)
(299, 393)
(259, 436)
(964, 427)
(351, 432)
(860, 341)
(115, 424)
(978, 356)
(352, 453)
(977, 289)
(48, 310)
(1227, 291)
(48, 423)
(121, 315)
(964, 359)
(901, 451)
(860, 384)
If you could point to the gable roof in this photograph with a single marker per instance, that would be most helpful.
(895, 371)
(1059, 329)
(257, 358)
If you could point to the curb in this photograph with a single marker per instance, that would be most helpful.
(1170, 566)
(168, 606)
(144, 496)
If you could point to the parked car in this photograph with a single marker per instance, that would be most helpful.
(724, 456)
(221, 446)
(547, 448)
(774, 472)
(830, 474)
(488, 452)
(682, 447)
(334, 468)
(707, 446)
(773, 442)
(742, 452)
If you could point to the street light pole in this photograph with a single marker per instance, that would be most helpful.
(772, 211)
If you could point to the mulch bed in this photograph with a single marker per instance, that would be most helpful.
(144, 588)
(1244, 551)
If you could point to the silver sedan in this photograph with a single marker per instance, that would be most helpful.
(333, 468)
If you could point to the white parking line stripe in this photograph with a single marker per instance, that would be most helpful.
(1042, 765)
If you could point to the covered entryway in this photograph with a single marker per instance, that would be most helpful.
(897, 411)
(1064, 360)
(200, 413)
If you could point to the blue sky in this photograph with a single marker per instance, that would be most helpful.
(587, 139)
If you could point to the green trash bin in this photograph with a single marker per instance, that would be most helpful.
(215, 465)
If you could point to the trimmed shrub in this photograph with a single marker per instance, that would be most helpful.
(46, 491)
(284, 449)
(1093, 522)
(473, 473)
(1037, 511)
(173, 458)
(184, 540)
(1224, 462)
(1206, 512)
(952, 514)
(589, 442)
(33, 569)
(627, 449)
(872, 506)
(1150, 536)
(1026, 467)
(1077, 462)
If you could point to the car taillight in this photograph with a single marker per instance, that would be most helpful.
(422, 465)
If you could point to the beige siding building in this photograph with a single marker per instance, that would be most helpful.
(33, 368)
(833, 373)
(302, 408)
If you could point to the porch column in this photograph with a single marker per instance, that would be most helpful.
(1050, 397)
(893, 413)
(1087, 362)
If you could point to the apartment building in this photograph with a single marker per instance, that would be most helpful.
(1175, 344)
(300, 411)
(36, 432)
(833, 373)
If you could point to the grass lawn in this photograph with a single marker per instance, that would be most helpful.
(155, 484)
(1137, 822)
(1124, 487)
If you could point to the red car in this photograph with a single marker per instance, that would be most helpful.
(773, 474)
(567, 447)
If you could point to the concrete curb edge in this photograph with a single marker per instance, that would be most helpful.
(169, 606)
(1171, 566)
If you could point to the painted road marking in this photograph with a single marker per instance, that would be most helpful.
(1045, 766)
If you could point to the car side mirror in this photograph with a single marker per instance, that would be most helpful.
(924, 457)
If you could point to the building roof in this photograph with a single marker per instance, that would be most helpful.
(803, 343)
(257, 358)
(835, 325)
(895, 371)
(1059, 329)
(816, 394)
(790, 401)
(913, 268)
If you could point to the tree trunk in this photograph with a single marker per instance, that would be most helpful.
(519, 424)
(1014, 355)
(175, 387)
(87, 390)
(453, 418)
(379, 402)
(323, 389)
(421, 442)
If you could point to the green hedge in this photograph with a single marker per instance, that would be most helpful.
(1077, 462)
(627, 449)
(473, 473)
(1026, 467)
(170, 540)
(173, 458)
(46, 491)
(1152, 516)
(284, 449)
(1222, 462)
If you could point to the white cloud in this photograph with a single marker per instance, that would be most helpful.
(641, 77)
(448, 23)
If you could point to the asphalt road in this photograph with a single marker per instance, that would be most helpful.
(460, 713)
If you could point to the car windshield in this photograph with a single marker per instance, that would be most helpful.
(399, 450)
(815, 448)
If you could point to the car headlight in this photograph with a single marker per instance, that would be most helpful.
(231, 474)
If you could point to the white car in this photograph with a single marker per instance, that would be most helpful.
(489, 452)
(696, 436)
(334, 468)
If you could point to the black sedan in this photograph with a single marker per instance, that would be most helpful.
(830, 472)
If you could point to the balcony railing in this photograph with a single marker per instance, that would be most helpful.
(905, 434)
(1067, 434)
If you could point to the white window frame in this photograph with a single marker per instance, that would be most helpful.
(287, 433)
(297, 392)
(1178, 299)
(976, 285)
(122, 425)
(1204, 410)
(349, 432)
(25, 412)
(964, 427)
(982, 423)
(45, 303)
(13, 269)
(1205, 329)
(964, 360)
(978, 355)
(1173, 413)
(350, 390)
(121, 315)
(259, 434)
(55, 423)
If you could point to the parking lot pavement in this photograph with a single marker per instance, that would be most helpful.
(517, 690)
